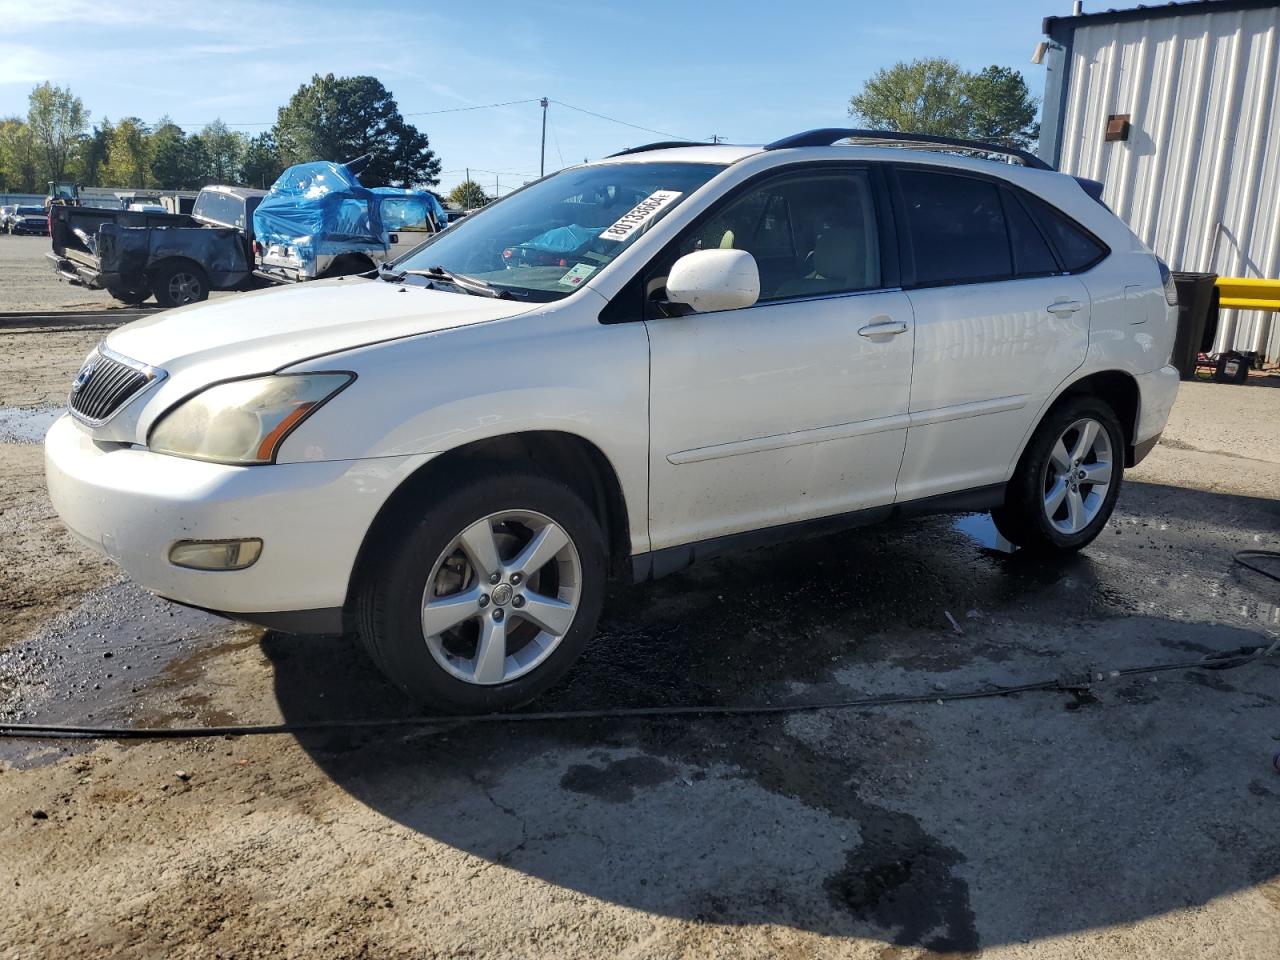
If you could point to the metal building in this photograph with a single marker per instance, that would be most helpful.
(1176, 109)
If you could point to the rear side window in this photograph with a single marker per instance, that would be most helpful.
(1077, 248)
(957, 228)
(1031, 254)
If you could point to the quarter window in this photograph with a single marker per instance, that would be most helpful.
(957, 228)
(1078, 249)
(810, 233)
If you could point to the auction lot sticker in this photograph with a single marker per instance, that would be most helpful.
(640, 214)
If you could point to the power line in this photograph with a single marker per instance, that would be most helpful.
(416, 113)
(634, 126)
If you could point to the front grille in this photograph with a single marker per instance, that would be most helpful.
(105, 383)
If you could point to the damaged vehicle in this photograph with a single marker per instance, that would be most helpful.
(320, 221)
(616, 371)
(136, 253)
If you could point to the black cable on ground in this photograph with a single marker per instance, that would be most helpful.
(1243, 557)
(1223, 661)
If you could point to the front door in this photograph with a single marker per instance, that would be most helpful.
(795, 408)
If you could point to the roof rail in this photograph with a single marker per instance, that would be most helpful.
(659, 145)
(828, 136)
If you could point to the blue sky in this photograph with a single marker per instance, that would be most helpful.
(746, 70)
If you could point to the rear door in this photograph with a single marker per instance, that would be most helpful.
(794, 408)
(998, 327)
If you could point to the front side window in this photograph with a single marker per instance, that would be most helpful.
(957, 228)
(545, 241)
(811, 233)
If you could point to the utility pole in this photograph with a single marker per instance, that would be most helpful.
(468, 173)
(542, 164)
(715, 138)
(496, 186)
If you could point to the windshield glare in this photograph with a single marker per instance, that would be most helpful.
(545, 241)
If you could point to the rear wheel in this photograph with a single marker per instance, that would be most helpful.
(489, 595)
(1066, 484)
(178, 284)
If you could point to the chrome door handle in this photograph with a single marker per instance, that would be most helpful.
(884, 328)
(1064, 307)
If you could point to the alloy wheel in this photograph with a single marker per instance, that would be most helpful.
(184, 287)
(1077, 476)
(501, 597)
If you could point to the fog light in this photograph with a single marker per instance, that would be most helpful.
(215, 554)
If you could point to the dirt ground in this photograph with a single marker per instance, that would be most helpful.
(1141, 819)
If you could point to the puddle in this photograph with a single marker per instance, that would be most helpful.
(981, 529)
(27, 424)
(89, 666)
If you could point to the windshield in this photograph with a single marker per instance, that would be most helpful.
(31, 211)
(545, 241)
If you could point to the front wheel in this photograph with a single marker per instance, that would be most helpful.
(489, 595)
(1066, 484)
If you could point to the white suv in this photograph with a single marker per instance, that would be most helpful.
(622, 368)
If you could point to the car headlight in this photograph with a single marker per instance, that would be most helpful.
(243, 421)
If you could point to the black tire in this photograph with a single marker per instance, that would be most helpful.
(177, 284)
(1023, 519)
(131, 297)
(390, 595)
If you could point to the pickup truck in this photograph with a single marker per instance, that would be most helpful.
(133, 254)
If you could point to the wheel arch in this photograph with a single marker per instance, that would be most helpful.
(173, 260)
(1118, 388)
(568, 457)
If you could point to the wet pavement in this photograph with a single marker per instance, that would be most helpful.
(949, 826)
(27, 424)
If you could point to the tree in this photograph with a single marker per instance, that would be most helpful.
(170, 169)
(91, 157)
(225, 152)
(19, 161)
(261, 165)
(468, 195)
(128, 155)
(1001, 109)
(340, 118)
(57, 119)
(935, 96)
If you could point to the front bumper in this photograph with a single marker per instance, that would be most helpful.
(132, 505)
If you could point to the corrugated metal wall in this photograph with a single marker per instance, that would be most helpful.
(1199, 177)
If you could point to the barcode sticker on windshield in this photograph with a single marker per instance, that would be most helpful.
(640, 214)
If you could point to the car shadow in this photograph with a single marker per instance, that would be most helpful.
(948, 826)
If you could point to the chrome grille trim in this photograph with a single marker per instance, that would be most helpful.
(106, 382)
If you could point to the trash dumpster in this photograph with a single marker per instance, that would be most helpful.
(1195, 300)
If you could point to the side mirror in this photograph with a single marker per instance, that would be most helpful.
(710, 280)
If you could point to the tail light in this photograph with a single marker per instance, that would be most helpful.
(1170, 290)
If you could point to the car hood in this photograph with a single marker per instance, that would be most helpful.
(264, 331)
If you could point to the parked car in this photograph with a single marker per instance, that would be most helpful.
(319, 221)
(149, 207)
(133, 254)
(29, 220)
(769, 342)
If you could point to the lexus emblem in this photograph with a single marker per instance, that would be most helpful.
(82, 377)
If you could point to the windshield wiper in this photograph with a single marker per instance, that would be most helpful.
(460, 280)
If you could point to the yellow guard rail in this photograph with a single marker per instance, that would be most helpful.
(1243, 293)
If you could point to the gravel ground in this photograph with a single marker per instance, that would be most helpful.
(1135, 820)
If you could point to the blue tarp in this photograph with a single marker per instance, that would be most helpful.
(322, 209)
(567, 239)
